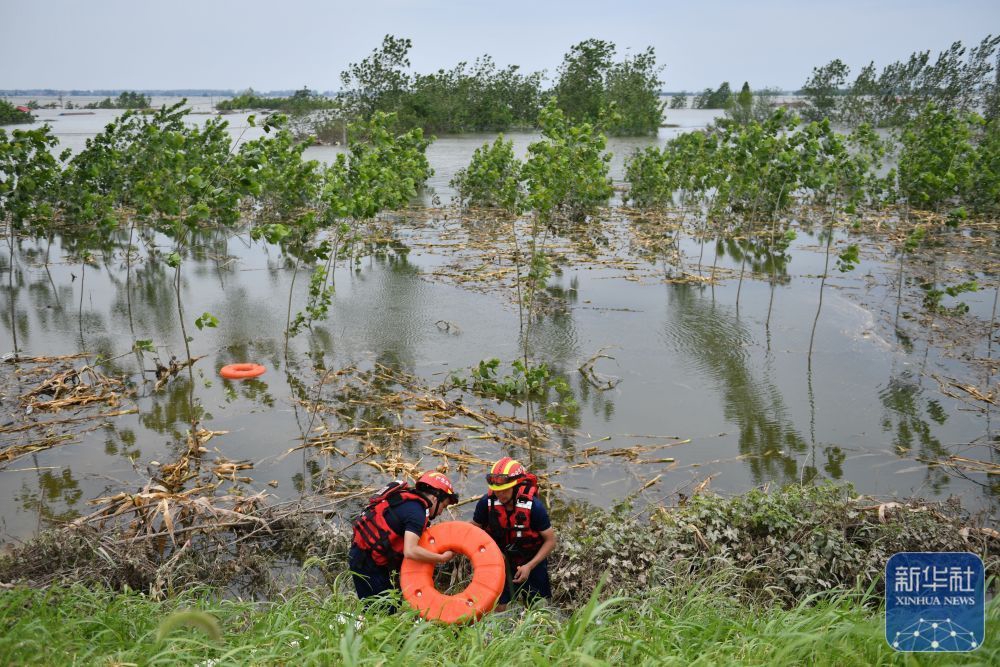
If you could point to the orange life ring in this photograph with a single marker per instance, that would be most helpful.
(488, 574)
(241, 371)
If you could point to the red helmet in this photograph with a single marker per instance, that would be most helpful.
(504, 474)
(438, 484)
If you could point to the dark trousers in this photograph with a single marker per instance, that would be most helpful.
(537, 584)
(371, 581)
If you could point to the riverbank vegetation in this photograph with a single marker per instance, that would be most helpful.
(801, 570)
(691, 624)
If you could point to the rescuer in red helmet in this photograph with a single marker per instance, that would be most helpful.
(518, 522)
(389, 529)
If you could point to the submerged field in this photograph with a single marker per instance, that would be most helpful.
(688, 357)
(833, 364)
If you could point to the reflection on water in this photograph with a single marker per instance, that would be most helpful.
(736, 382)
(908, 416)
(715, 344)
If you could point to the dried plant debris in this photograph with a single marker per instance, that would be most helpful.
(173, 367)
(777, 546)
(392, 422)
(73, 388)
(56, 386)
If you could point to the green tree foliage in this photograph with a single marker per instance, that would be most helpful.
(492, 179)
(758, 170)
(633, 94)
(567, 171)
(301, 100)
(29, 173)
(936, 158)
(741, 109)
(273, 173)
(460, 99)
(679, 101)
(757, 167)
(379, 82)
(686, 165)
(476, 98)
(959, 80)
(823, 89)
(168, 172)
(581, 85)
(592, 88)
(649, 176)
(10, 115)
(984, 192)
(720, 98)
(480, 98)
(383, 171)
(126, 100)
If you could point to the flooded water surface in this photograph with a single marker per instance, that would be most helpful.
(730, 383)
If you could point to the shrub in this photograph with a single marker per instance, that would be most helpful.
(936, 157)
(567, 171)
(10, 115)
(492, 179)
(647, 173)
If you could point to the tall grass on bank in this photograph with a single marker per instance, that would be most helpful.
(695, 625)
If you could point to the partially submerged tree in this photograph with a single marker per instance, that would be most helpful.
(824, 88)
(720, 98)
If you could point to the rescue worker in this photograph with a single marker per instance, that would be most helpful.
(518, 522)
(389, 529)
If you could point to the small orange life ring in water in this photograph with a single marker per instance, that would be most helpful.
(488, 574)
(241, 371)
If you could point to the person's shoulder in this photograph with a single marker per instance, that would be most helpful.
(538, 502)
(411, 506)
(538, 508)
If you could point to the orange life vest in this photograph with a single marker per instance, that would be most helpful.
(511, 529)
(372, 533)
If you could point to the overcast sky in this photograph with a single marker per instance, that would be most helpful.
(285, 44)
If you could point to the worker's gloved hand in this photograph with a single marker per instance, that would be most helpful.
(446, 556)
(521, 573)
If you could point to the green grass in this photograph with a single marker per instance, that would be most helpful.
(698, 625)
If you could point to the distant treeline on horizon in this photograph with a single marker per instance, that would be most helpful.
(209, 92)
(104, 92)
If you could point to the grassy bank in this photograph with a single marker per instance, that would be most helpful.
(694, 624)
(788, 577)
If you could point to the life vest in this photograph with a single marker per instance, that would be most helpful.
(511, 529)
(372, 533)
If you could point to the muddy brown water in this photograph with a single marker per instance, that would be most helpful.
(736, 380)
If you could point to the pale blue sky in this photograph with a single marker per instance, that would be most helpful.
(283, 44)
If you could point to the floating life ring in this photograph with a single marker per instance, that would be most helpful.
(241, 371)
(488, 574)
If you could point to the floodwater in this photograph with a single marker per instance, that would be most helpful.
(731, 385)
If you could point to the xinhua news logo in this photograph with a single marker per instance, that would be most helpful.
(935, 601)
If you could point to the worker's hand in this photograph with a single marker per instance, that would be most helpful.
(446, 556)
(521, 573)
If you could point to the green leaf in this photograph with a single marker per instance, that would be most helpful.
(206, 320)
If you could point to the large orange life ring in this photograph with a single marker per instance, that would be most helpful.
(488, 574)
(241, 371)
